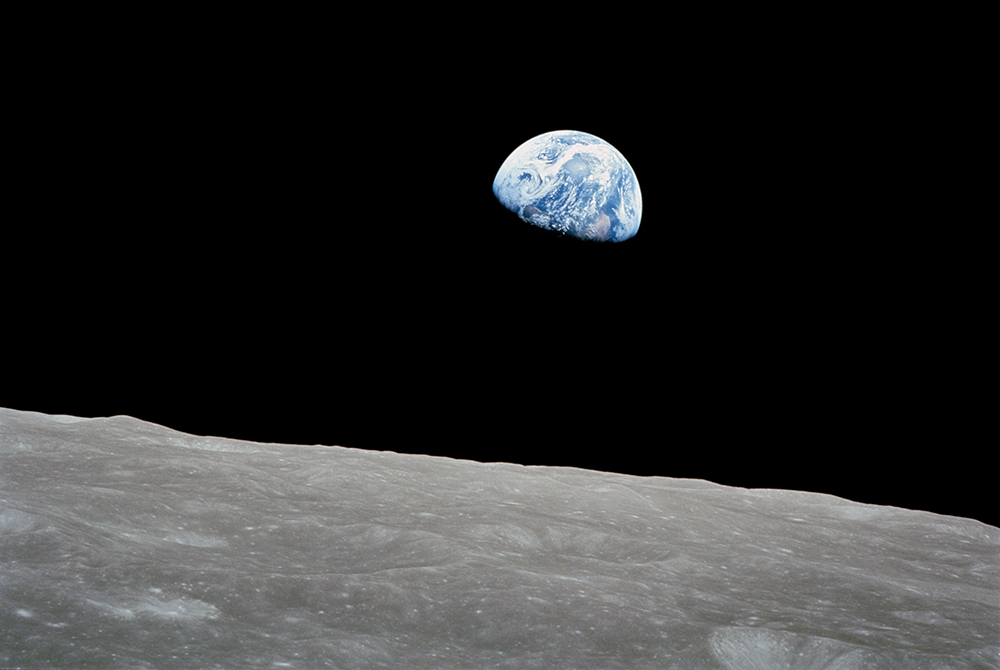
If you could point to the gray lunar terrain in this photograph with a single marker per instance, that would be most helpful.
(124, 544)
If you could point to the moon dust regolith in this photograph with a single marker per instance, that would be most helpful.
(124, 544)
(573, 183)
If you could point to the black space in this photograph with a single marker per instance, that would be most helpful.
(268, 233)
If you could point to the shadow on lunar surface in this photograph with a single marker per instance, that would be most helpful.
(126, 544)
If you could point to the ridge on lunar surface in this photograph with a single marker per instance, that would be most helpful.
(127, 544)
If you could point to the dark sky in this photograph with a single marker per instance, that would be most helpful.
(283, 240)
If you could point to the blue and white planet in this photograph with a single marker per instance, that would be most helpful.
(573, 183)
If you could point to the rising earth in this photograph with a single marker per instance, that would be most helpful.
(572, 183)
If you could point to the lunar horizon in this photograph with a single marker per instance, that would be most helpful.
(128, 544)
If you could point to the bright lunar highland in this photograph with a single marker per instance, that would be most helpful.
(573, 183)
(124, 544)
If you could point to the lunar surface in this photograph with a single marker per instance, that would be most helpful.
(124, 544)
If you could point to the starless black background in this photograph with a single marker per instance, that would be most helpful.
(283, 229)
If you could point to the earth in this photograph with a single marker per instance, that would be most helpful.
(573, 183)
